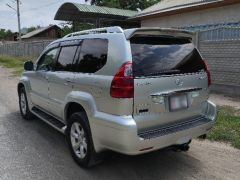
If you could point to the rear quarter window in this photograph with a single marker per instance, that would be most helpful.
(154, 56)
(93, 55)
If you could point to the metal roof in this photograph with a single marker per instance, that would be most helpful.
(37, 31)
(172, 5)
(74, 11)
(203, 27)
(105, 10)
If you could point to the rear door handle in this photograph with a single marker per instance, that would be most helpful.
(67, 82)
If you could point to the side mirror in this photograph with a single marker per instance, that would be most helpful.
(28, 66)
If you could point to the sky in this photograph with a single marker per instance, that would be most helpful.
(32, 13)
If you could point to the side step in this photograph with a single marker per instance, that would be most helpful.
(52, 121)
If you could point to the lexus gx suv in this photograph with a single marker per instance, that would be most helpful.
(131, 91)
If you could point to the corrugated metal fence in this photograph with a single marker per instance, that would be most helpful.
(24, 48)
(221, 33)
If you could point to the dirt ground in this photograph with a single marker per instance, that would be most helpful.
(33, 150)
(225, 100)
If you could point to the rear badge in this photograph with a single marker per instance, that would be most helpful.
(179, 82)
(142, 84)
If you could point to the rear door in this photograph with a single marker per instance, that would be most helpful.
(170, 82)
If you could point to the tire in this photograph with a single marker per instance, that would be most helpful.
(80, 141)
(23, 105)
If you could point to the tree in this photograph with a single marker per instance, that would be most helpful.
(33, 28)
(30, 29)
(5, 33)
(125, 4)
(68, 27)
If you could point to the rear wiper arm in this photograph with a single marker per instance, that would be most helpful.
(164, 72)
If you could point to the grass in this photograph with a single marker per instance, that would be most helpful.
(13, 62)
(227, 127)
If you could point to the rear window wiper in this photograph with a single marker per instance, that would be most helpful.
(166, 72)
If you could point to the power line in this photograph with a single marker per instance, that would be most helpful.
(38, 8)
(11, 7)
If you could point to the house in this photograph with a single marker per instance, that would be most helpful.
(11, 37)
(44, 33)
(190, 13)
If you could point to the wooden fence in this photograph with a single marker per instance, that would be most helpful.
(24, 48)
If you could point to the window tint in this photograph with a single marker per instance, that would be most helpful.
(93, 55)
(48, 60)
(65, 58)
(164, 56)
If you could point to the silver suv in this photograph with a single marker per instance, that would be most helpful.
(131, 91)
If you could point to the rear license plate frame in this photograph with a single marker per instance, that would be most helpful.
(177, 99)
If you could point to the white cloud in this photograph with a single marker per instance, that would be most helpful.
(33, 13)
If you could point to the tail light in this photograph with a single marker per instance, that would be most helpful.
(122, 84)
(208, 73)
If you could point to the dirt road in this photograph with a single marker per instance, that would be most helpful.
(33, 150)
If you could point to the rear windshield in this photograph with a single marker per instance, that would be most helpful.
(156, 56)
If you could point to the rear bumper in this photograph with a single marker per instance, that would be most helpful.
(120, 134)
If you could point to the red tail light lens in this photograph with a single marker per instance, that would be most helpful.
(208, 73)
(122, 84)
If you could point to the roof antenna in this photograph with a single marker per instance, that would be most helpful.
(139, 10)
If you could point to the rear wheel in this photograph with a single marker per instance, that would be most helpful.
(23, 105)
(80, 141)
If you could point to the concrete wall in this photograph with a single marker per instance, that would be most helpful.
(209, 16)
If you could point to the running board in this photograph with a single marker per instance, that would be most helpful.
(50, 120)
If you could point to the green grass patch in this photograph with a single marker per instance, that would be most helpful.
(227, 127)
(13, 62)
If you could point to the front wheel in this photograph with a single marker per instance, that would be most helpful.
(80, 140)
(23, 105)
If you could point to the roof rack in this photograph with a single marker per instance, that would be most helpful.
(114, 29)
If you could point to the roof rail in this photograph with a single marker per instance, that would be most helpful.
(114, 29)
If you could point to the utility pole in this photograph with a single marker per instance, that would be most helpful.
(18, 18)
(19, 23)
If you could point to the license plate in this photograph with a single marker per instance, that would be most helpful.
(178, 102)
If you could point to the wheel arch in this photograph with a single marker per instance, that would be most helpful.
(71, 108)
(78, 101)
(20, 85)
(24, 82)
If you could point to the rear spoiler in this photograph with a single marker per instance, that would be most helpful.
(129, 33)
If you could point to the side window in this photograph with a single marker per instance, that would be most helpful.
(47, 60)
(93, 55)
(65, 59)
